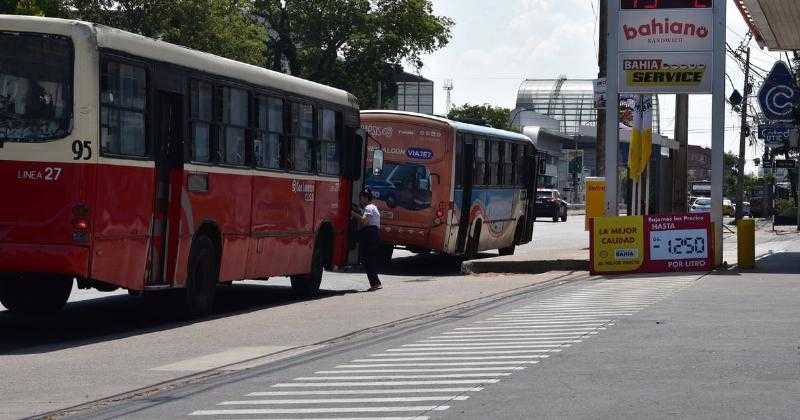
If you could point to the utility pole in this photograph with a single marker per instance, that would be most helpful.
(743, 134)
(680, 161)
(600, 159)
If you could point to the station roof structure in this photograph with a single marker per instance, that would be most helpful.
(774, 23)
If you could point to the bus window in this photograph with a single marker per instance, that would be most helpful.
(302, 138)
(459, 161)
(493, 171)
(35, 86)
(480, 162)
(235, 119)
(267, 146)
(327, 152)
(520, 166)
(122, 129)
(201, 117)
(508, 164)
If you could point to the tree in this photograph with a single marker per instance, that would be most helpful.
(355, 45)
(222, 27)
(493, 116)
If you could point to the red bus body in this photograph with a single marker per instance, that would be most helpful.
(128, 218)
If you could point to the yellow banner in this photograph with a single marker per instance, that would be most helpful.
(595, 198)
(617, 244)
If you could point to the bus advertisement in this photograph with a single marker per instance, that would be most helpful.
(137, 164)
(449, 187)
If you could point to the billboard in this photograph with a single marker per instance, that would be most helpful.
(662, 30)
(665, 72)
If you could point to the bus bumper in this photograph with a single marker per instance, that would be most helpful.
(70, 260)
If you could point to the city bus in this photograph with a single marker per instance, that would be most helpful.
(449, 187)
(132, 163)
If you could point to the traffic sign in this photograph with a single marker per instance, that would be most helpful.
(779, 94)
(786, 164)
(776, 134)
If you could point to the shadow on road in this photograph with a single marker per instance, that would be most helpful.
(120, 316)
(779, 263)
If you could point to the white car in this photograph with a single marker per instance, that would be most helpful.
(701, 205)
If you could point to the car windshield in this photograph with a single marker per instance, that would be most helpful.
(544, 194)
(703, 202)
(35, 86)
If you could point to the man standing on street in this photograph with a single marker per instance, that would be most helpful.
(369, 237)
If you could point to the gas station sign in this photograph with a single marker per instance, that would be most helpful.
(652, 244)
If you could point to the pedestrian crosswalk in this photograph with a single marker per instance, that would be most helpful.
(419, 379)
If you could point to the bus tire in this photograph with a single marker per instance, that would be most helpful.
(386, 254)
(35, 296)
(307, 285)
(203, 275)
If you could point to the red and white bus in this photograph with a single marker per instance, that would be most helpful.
(132, 163)
(450, 187)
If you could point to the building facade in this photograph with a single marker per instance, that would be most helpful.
(699, 163)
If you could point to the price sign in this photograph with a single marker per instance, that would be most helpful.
(685, 244)
(678, 242)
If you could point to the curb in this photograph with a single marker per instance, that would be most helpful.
(523, 267)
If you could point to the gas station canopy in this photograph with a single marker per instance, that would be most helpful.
(774, 23)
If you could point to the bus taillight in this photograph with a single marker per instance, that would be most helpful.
(80, 224)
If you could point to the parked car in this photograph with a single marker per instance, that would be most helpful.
(550, 204)
(728, 209)
(701, 205)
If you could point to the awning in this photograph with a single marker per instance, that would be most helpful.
(774, 23)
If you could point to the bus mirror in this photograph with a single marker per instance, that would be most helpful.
(377, 162)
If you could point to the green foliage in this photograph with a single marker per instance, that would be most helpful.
(356, 45)
(223, 27)
(493, 116)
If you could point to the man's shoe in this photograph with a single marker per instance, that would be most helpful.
(374, 288)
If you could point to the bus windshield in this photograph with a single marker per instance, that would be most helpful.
(35, 87)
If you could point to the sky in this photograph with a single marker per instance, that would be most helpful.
(496, 45)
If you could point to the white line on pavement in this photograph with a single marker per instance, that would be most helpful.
(421, 408)
(363, 391)
(386, 383)
(438, 352)
(378, 365)
(463, 369)
(422, 359)
(375, 377)
(348, 400)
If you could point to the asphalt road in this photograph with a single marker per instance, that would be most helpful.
(689, 346)
(105, 344)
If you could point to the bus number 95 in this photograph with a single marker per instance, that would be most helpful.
(81, 149)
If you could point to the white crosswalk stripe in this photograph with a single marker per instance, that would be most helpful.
(453, 365)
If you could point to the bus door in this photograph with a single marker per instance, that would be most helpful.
(532, 165)
(168, 189)
(467, 177)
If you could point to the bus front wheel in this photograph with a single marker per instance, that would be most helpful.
(35, 296)
(307, 285)
(201, 286)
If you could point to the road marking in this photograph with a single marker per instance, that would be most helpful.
(349, 418)
(249, 411)
(479, 346)
(573, 338)
(537, 322)
(479, 334)
(463, 369)
(376, 377)
(376, 365)
(521, 328)
(211, 361)
(422, 359)
(363, 391)
(458, 353)
(386, 383)
(348, 400)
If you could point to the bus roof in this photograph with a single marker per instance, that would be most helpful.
(457, 125)
(148, 48)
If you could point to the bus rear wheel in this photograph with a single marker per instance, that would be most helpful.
(201, 285)
(307, 285)
(35, 296)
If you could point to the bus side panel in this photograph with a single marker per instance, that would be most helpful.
(226, 204)
(36, 225)
(283, 223)
(501, 207)
(123, 217)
